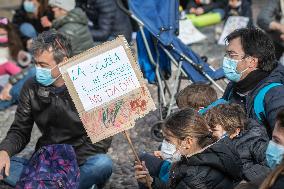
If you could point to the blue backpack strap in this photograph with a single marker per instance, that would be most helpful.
(213, 104)
(258, 103)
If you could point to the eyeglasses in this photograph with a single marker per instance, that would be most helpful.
(235, 56)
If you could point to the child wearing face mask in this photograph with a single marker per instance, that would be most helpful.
(198, 160)
(14, 62)
(275, 149)
(248, 137)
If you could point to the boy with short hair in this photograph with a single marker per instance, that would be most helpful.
(196, 96)
(248, 137)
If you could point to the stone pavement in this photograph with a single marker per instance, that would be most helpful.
(123, 173)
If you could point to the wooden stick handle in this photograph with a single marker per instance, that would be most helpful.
(137, 157)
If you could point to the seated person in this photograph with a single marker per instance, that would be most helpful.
(249, 138)
(251, 66)
(28, 17)
(107, 20)
(196, 96)
(275, 149)
(271, 21)
(73, 23)
(199, 7)
(10, 50)
(239, 8)
(46, 102)
(198, 160)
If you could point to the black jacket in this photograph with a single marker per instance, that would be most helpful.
(55, 115)
(251, 145)
(244, 10)
(217, 167)
(273, 101)
(108, 20)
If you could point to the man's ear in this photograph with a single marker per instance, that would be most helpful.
(65, 59)
(253, 62)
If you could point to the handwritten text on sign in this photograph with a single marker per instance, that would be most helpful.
(103, 78)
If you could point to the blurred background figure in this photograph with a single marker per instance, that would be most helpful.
(30, 16)
(271, 20)
(239, 8)
(73, 23)
(107, 21)
(11, 52)
(199, 7)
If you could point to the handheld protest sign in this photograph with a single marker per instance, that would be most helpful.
(106, 86)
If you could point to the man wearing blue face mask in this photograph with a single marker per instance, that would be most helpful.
(44, 100)
(255, 75)
(275, 149)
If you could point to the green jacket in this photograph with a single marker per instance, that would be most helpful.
(75, 26)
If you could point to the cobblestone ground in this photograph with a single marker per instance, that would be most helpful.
(123, 174)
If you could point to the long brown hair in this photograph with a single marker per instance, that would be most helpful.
(14, 43)
(188, 123)
(272, 177)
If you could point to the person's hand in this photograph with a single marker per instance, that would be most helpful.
(4, 163)
(45, 22)
(282, 37)
(5, 93)
(158, 154)
(192, 10)
(142, 174)
(199, 11)
(29, 43)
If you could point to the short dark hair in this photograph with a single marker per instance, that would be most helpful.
(280, 117)
(196, 95)
(51, 39)
(228, 116)
(257, 44)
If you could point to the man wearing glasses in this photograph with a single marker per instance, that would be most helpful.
(256, 77)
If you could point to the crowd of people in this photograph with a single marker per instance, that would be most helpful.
(236, 141)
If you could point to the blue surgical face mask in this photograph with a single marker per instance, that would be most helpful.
(230, 69)
(274, 154)
(29, 6)
(44, 77)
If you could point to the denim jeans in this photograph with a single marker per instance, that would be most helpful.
(28, 30)
(94, 172)
(16, 89)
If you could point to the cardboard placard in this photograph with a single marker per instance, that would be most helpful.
(107, 88)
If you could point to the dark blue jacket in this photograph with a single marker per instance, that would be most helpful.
(273, 101)
(251, 145)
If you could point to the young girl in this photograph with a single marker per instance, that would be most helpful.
(198, 160)
(10, 50)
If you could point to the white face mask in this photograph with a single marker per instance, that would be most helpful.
(169, 152)
(4, 54)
